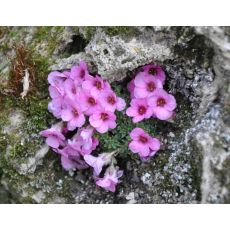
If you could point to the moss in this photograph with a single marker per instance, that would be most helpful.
(121, 30)
(49, 34)
(89, 32)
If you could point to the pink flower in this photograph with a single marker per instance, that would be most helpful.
(54, 137)
(57, 79)
(131, 87)
(55, 92)
(71, 158)
(73, 115)
(139, 110)
(89, 142)
(68, 163)
(79, 73)
(103, 120)
(83, 141)
(95, 85)
(68, 151)
(110, 180)
(162, 104)
(153, 70)
(66, 73)
(145, 85)
(90, 103)
(98, 162)
(72, 89)
(110, 102)
(56, 106)
(143, 144)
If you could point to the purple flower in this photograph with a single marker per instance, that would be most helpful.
(72, 89)
(95, 85)
(98, 162)
(131, 87)
(145, 85)
(73, 115)
(68, 163)
(54, 137)
(56, 106)
(90, 103)
(89, 142)
(55, 92)
(153, 70)
(79, 73)
(110, 179)
(143, 144)
(103, 120)
(110, 102)
(139, 110)
(71, 158)
(57, 79)
(83, 141)
(162, 104)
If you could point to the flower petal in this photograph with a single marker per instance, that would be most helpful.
(140, 92)
(52, 142)
(67, 164)
(162, 113)
(103, 128)
(136, 133)
(95, 122)
(131, 112)
(139, 80)
(120, 104)
(66, 115)
(154, 144)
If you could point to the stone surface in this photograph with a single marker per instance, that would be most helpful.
(194, 163)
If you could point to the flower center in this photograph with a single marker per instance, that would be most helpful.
(104, 116)
(152, 71)
(82, 73)
(111, 100)
(143, 139)
(98, 85)
(151, 86)
(92, 101)
(161, 102)
(141, 110)
(75, 112)
(74, 90)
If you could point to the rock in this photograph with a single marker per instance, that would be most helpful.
(194, 163)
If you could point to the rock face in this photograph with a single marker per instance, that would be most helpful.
(194, 163)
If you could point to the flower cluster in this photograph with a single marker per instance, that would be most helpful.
(87, 104)
(77, 95)
(148, 96)
(148, 99)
